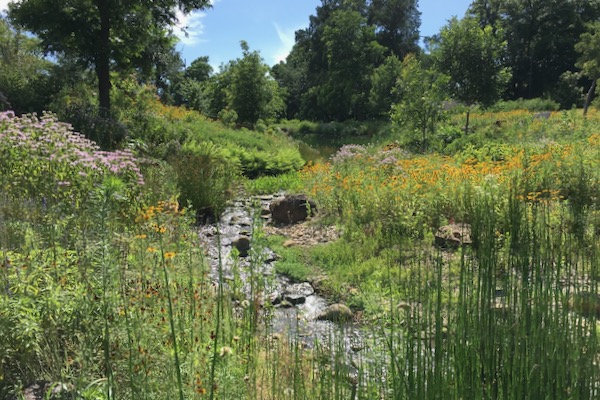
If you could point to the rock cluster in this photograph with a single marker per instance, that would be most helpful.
(292, 209)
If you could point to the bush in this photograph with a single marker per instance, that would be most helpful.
(45, 160)
(205, 175)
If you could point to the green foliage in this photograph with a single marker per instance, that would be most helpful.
(383, 82)
(397, 25)
(252, 94)
(533, 105)
(588, 48)
(106, 34)
(205, 175)
(287, 182)
(26, 82)
(540, 38)
(471, 57)
(419, 112)
(199, 70)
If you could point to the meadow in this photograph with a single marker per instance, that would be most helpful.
(105, 287)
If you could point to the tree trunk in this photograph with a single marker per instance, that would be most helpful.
(588, 97)
(103, 58)
(467, 124)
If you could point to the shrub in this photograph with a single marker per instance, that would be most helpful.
(45, 160)
(205, 175)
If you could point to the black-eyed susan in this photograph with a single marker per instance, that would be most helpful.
(169, 255)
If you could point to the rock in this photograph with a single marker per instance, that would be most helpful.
(297, 293)
(292, 209)
(337, 313)
(289, 243)
(453, 235)
(242, 244)
(274, 298)
(46, 390)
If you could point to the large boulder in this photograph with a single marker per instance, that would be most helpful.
(453, 236)
(292, 209)
(337, 313)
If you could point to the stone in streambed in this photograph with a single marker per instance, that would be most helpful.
(453, 236)
(242, 244)
(297, 293)
(337, 313)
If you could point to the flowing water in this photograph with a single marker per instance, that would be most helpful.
(296, 304)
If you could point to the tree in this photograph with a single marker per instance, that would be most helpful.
(244, 86)
(27, 81)
(540, 37)
(199, 70)
(472, 59)
(383, 83)
(589, 60)
(291, 76)
(396, 24)
(104, 34)
(351, 52)
(419, 111)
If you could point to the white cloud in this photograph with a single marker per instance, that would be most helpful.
(190, 28)
(4, 5)
(287, 37)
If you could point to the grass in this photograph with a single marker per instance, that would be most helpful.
(111, 294)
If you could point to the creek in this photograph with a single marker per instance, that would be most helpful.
(296, 306)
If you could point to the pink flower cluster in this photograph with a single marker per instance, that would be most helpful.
(46, 139)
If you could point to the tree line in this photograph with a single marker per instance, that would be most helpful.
(356, 60)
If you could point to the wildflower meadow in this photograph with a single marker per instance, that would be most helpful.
(107, 292)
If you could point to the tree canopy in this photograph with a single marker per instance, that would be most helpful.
(471, 56)
(104, 34)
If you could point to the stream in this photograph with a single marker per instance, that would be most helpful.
(296, 304)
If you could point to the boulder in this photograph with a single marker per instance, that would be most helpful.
(453, 236)
(297, 293)
(292, 209)
(337, 313)
(242, 244)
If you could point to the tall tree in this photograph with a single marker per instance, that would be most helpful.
(253, 93)
(472, 59)
(104, 34)
(397, 25)
(540, 36)
(199, 70)
(383, 83)
(351, 52)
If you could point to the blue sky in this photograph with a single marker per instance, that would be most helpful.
(269, 25)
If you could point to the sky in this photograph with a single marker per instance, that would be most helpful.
(269, 25)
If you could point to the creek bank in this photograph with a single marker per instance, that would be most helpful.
(291, 308)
